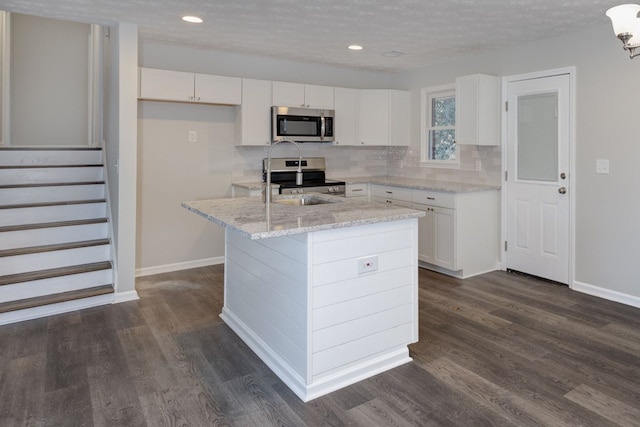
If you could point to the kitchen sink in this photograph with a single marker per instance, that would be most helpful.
(304, 201)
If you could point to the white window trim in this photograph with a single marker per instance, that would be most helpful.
(426, 94)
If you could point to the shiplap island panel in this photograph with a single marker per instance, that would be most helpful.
(326, 295)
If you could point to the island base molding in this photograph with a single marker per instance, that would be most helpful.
(380, 363)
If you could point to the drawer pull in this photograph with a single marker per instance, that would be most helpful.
(356, 189)
(431, 198)
(388, 192)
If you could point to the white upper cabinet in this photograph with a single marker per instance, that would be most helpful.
(304, 96)
(218, 89)
(383, 117)
(165, 85)
(478, 110)
(373, 117)
(345, 128)
(253, 116)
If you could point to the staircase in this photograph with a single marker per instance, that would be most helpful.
(55, 252)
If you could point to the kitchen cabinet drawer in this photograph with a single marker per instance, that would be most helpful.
(356, 190)
(434, 198)
(391, 193)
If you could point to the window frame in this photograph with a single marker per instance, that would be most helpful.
(426, 114)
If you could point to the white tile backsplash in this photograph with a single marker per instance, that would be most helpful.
(375, 161)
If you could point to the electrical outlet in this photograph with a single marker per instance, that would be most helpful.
(368, 264)
(193, 136)
(602, 166)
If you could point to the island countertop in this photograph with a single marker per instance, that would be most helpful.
(248, 215)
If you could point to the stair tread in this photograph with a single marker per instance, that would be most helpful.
(46, 166)
(53, 247)
(54, 272)
(55, 298)
(45, 204)
(53, 224)
(50, 148)
(52, 184)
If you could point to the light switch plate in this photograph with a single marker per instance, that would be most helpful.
(193, 136)
(602, 166)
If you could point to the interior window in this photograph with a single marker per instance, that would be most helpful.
(439, 125)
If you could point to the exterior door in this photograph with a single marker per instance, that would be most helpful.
(538, 155)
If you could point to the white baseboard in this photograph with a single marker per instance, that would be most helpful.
(168, 268)
(125, 296)
(608, 294)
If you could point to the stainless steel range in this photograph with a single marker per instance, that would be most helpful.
(283, 172)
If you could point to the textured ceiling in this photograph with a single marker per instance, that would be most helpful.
(427, 31)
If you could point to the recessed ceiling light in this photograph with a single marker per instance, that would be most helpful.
(355, 47)
(192, 19)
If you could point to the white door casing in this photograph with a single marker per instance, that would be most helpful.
(538, 174)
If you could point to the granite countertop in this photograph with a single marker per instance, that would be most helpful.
(395, 181)
(419, 184)
(248, 214)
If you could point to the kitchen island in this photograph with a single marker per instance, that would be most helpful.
(326, 294)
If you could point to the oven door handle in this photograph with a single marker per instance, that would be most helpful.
(322, 127)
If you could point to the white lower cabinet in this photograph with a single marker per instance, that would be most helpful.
(459, 235)
(358, 191)
(437, 236)
(394, 195)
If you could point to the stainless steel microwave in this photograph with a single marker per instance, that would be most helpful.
(302, 124)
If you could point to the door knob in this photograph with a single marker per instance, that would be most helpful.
(562, 190)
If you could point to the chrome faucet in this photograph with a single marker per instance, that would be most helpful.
(267, 190)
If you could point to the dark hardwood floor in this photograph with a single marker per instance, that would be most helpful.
(499, 349)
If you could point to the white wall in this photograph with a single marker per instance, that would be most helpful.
(155, 54)
(172, 170)
(607, 208)
(49, 81)
(607, 127)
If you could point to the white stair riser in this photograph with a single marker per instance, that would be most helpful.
(39, 215)
(53, 157)
(50, 175)
(64, 193)
(54, 285)
(54, 259)
(52, 236)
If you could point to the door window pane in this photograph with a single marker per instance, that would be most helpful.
(537, 143)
